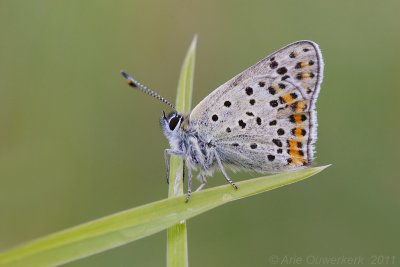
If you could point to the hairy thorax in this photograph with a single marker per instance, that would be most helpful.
(197, 153)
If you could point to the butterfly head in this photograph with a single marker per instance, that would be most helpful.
(172, 129)
(171, 123)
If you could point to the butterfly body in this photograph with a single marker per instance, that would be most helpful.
(185, 141)
(263, 119)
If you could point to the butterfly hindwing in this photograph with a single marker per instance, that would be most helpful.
(264, 118)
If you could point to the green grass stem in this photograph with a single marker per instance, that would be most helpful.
(177, 247)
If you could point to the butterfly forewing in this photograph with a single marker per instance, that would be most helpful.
(264, 118)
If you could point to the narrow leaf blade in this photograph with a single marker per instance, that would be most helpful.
(130, 225)
(177, 247)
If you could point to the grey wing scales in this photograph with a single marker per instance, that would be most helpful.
(264, 119)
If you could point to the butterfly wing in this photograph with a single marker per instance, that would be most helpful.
(264, 118)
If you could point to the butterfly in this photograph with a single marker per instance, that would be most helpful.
(262, 120)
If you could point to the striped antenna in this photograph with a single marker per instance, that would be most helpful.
(135, 84)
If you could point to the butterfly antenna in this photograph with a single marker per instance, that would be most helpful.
(135, 84)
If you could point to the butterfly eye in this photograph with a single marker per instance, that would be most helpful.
(173, 122)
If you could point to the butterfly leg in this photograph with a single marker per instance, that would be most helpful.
(183, 171)
(167, 154)
(223, 170)
(203, 181)
(189, 190)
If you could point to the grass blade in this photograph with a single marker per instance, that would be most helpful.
(177, 248)
(120, 228)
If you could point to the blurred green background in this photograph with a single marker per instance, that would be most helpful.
(77, 144)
